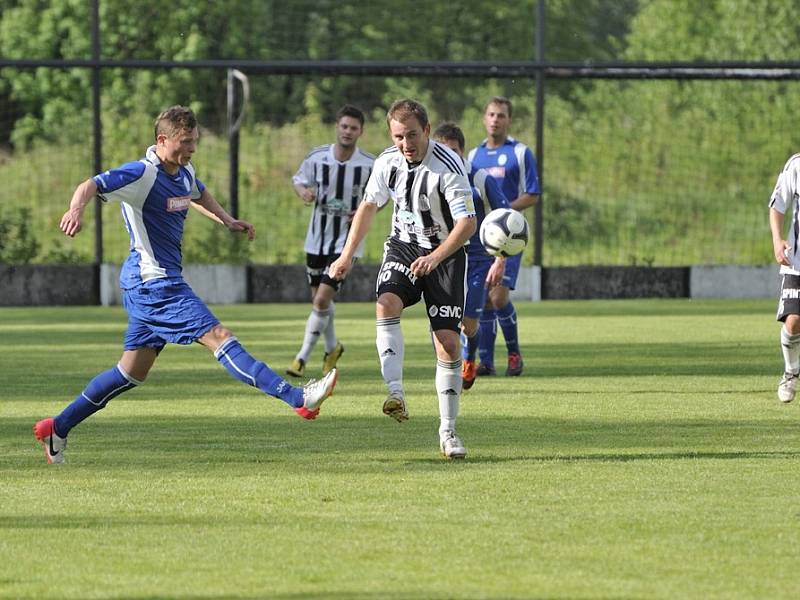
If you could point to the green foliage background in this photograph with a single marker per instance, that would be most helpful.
(644, 172)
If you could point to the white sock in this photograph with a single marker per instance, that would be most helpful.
(330, 330)
(317, 323)
(448, 388)
(790, 346)
(389, 341)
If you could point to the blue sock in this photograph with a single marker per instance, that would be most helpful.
(103, 388)
(469, 345)
(507, 316)
(488, 334)
(248, 370)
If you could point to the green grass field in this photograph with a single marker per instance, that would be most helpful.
(643, 454)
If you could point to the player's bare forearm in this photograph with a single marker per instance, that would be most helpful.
(779, 245)
(306, 194)
(523, 201)
(207, 213)
(463, 229)
(72, 221)
(362, 221)
(209, 206)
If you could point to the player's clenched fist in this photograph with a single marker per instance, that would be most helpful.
(339, 268)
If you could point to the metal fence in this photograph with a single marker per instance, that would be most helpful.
(641, 163)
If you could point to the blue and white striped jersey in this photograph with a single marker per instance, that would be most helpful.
(154, 206)
(429, 197)
(487, 196)
(512, 165)
(339, 188)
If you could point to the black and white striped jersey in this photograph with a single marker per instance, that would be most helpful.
(783, 199)
(339, 188)
(429, 197)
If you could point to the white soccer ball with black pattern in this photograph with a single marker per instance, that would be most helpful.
(504, 232)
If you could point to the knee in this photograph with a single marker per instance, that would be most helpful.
(448, 345)
(792, 324)
(451, 348)
(219, 334)
(388, 305)
(321, 304)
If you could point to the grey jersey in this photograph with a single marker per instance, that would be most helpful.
(784, 198)
(339, 187)
(429, 197)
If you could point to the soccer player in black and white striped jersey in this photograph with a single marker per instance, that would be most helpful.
(331, 179)
(424, 257)
(785, 247)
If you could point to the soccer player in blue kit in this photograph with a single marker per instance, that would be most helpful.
(155, 194)
(483, 270)
(512, 165)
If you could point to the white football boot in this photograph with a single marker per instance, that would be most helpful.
(451, 445)
(54, 445)
(787, 388)
(314, 394)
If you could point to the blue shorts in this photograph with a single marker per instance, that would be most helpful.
(513, 264)
(164, 311)
(477, 270)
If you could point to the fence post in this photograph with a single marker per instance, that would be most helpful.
(97, 127)
(537, 208)
(233, 149)
(234, 125)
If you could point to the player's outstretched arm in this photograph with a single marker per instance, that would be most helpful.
(463, 229)
(362, 221)
(209, 206)
(72, 221)
(779, 245)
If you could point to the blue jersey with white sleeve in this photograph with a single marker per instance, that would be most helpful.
(154, 206)
(512, 165)
(487, 196)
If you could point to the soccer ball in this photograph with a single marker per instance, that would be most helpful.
(504, 232)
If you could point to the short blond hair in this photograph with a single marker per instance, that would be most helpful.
(175, 120)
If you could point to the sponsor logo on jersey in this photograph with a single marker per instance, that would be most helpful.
(496, 172)
(445, 311)
(178, 204)
(502, 159)
(336, 208)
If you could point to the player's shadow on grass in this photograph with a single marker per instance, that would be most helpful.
(587, 359)
(374, 444)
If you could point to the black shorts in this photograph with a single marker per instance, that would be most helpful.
(443, 288)
(317, 270)
(789, 299)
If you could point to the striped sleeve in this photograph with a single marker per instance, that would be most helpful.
(458, 194)
(129, 183)
(377, 189)
(528, 176)
(786, 186)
